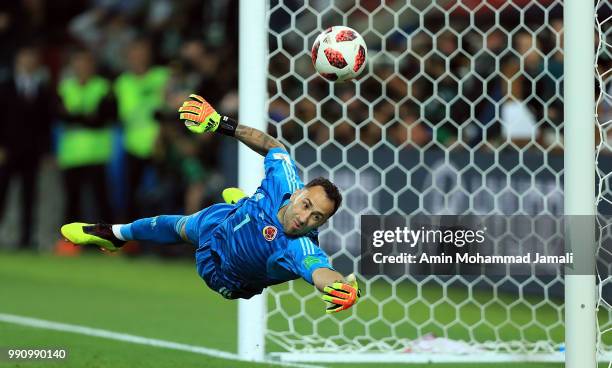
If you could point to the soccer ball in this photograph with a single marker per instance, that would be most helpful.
(339, 54)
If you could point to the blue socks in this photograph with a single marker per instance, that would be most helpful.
(159, 229)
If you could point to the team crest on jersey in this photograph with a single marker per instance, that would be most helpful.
(269, 233)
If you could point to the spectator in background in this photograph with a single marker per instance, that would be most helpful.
(384, 113)
(370, 133)
(409, 132)
(518, 121)
(535, 77)
(35, 21)
(485, 68)
(484, 61)
(85, 143)
(555, 44)
(344, 133)
(527, 46)
(140, 93)
(166, 25)
(107, 32)
(9, 37)
(203, 66)
(25, 122)
(220, 25)
(543, 76)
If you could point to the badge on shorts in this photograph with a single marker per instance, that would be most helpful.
(269, 233)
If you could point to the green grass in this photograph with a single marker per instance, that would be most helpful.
(148, 298)
(96, 352)
(168, 300)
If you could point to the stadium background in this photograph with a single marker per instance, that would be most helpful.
(425, 117)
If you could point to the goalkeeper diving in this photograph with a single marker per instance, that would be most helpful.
(248, 243)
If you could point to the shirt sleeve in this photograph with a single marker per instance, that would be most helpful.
(302, 257)
(281, 174)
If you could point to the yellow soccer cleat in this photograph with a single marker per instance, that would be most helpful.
(232, 195)
(100, 235)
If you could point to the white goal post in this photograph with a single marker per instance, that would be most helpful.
(253, 96)
(579, 177)
(429, 109)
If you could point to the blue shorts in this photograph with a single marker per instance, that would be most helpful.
(199, 228)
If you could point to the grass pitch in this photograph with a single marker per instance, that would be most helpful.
(143, 297)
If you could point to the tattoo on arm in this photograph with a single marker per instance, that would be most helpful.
(256, 140)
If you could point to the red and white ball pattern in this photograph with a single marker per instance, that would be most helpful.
(339, 54)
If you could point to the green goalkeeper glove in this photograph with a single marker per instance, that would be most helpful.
(198, 115)
(341, 295)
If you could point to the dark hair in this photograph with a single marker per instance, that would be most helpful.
(331, 190)
(80, 51)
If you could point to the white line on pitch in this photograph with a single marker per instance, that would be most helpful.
(105, 334)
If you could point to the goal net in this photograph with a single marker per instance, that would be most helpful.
(460, 111)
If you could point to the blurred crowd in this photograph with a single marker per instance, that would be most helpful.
(485, 79)
(92, 88)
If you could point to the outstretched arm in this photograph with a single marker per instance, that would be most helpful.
(340, 293)
(199, 117)
(256, 140)
(322, 277)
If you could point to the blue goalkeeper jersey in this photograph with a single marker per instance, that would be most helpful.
(248, 243)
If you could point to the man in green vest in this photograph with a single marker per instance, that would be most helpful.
(140, 92)
(85, 144)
